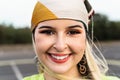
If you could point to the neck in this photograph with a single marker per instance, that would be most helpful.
(49, 77)
(69, 74)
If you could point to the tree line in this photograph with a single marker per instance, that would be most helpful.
(104, 29)
(11, 35)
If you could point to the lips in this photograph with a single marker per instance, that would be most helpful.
(59, 58)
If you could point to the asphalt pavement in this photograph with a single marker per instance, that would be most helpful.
(17, 62)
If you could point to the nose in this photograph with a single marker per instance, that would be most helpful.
(60, 44)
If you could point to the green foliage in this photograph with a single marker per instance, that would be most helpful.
(104, 29)
(22, 36)
(10, 35)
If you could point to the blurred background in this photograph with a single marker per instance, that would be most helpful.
(16, 51)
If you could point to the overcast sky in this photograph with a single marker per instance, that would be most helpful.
(18, 12)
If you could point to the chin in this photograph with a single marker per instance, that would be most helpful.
(59, 70)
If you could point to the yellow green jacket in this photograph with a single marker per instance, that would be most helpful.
(40, 77)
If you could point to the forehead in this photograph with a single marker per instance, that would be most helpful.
(60, 23)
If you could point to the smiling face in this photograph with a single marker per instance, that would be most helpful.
(60, 45)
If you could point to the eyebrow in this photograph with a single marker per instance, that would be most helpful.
(74, 26)
(45, 27)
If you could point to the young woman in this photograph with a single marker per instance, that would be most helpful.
(62, 44)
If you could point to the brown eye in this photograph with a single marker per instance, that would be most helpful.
(47, 32)
(73, 32)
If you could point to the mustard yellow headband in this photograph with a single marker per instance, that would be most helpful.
(65, 9)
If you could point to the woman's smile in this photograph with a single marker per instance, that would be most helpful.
(59, 57)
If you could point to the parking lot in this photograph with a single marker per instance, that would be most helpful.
(17, 61)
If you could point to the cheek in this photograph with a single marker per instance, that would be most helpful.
(42, 43)
(77, 44)
(41, 48)
(79, 48)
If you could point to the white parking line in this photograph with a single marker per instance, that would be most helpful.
(16, 71)
(31, 61)
(114, 62)
(17, 61)
(14, 63)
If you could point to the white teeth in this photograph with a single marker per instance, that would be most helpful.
(59, 57)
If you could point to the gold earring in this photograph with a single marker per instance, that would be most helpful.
(83, 66)
(82, 69)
